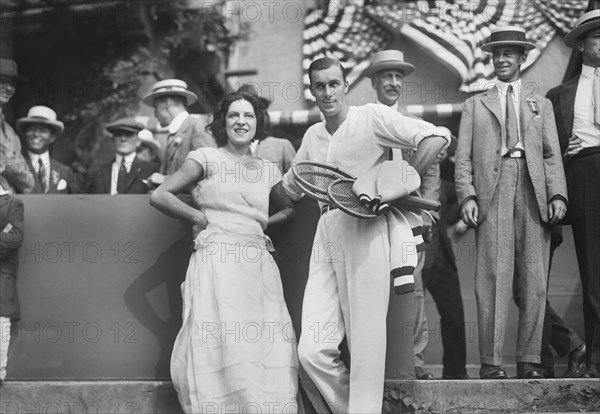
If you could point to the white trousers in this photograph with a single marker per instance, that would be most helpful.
(4, 342)
(347, 293)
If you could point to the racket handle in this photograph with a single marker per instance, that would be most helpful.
(417, 203)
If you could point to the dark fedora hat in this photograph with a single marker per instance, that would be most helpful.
(588, 21)
(507, 36)
(8, 69)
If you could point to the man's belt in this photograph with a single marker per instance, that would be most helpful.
(586, 151)
(516, 153)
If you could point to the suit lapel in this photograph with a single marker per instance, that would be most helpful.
(106, 172)
(54, 172)
(184, 126)
(3, 212)
(172, 145)
(134, 172)
(525, 115)
(491, 100)
(37, 189)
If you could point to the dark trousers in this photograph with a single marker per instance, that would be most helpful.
(556, 334)
(583, 182)
(441, 280)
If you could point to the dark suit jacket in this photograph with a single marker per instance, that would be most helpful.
(191, 135)
(11, 211)
(61, 176)
(563, 101)
(478, 154)
(99, 177)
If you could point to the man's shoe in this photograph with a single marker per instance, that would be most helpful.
(576, 362)
(492, 372)
(526, 370)
(421, 374)
(457, 376)
(592, 371)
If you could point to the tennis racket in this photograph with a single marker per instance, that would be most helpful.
(315, 178)
(341, 195)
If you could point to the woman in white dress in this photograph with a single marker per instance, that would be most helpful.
(236, 350)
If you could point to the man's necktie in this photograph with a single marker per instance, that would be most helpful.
(42, 175)
(122, 178)
(512, 127)
(596, 97)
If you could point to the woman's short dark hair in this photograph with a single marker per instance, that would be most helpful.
(260, 105)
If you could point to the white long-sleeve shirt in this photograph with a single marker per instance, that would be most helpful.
(361, 141)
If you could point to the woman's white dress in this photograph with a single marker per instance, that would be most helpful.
(236, 351)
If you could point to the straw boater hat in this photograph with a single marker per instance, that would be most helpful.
(40, 115)
(588, 21)
(169, 87)
(388, 59)
(8, 69)
(125, 124)
(507, 36)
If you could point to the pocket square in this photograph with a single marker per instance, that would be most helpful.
(61, 185)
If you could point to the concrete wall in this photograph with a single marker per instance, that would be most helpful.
(99, 284)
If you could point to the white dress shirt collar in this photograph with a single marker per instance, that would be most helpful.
(503, 87)
(587, 71)
(177, 122)
(128, 161)
(45, 157)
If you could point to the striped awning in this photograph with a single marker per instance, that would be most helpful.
(451, 30)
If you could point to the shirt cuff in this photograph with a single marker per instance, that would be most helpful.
(471, 197)
(441, 132)
(560, 198)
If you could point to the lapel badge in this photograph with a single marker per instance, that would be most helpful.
(533, 106)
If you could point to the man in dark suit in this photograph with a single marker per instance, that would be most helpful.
(510, 184)
(577, 112)
(39, 129)
(11, 238)
(127, 174)
(187, 132)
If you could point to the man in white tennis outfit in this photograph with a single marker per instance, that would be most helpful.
(348, 287)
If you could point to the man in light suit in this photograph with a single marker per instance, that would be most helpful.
(577, 112)
(511, 186)
(39, 129)
(127, 174)
(187, 132)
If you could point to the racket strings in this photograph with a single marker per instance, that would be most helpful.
(341, 194)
